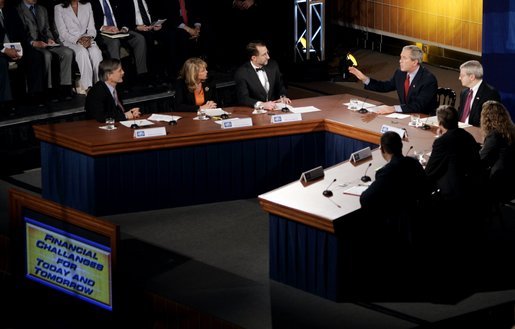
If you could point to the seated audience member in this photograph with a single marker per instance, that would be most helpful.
(191, 91)
(402, 178)
(42, 45)
(453, 167)
(475, 94)
(102, 100)
(11, 30)
(76, 28)
(415, 85)
(259, 82)
(184, 19)
(139, 15)
(498, 151)
(109, 21)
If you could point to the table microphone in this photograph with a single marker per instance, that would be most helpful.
(134, 125)
(328, 193)
(410, 148)
(363, 109)
(366, 178)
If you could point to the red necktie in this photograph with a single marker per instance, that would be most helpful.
(406, 88)
(466, 108)
(183, 11)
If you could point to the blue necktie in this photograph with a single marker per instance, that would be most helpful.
(108, 14)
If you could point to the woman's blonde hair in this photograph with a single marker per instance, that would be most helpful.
(496, 118)
(190, 70)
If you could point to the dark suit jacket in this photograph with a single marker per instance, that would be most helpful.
(421, 94)
(36, 31)
(403, 178)
(128, 12)
(185, 100)
(100, 104)
(484, 93)
(498, 159)
(171, 9)
(249, 89)
(454, 165)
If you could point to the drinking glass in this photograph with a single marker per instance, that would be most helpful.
(110, 123)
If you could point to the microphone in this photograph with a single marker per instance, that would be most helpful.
(366, 178)
(410, 148)
(363, 109)
(328, 193)
(134, 125)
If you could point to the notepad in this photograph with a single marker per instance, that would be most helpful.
(356, 190)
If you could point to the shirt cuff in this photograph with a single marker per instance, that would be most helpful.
(367, 81)
(398, 108)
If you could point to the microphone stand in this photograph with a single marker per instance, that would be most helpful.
(365, 178)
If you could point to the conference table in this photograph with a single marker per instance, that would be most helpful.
(105, 172)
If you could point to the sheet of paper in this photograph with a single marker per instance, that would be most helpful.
(158, 22)
(163, 117)
(304, 109)
(433, 121)
(356, 190)
(141, 123)
(361, 105)
(397, 116)
(215, 112)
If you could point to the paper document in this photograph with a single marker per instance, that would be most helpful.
(397, 116)
(15, 45)
(53, 45)
(158, 22)
(304, 109)
(433, 121)
(215, 112)
(163, 117)
(360, 105)
(356, 190)
(115, 35)
(141, 123)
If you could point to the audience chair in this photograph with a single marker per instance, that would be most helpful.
(446, 96)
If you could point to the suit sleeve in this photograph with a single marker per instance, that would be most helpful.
(242, 88)
(181, 98)
(437, 163)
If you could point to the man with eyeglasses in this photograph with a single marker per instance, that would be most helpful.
(259, 82)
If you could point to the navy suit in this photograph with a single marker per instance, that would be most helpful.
(249, 89)
(421, 94)
(454, 166)
(100, 104)
(185, 99)
(484, 93)
(403, 178)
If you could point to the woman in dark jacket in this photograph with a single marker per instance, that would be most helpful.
(498, 151)
(192, 92)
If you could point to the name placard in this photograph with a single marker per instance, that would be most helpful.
(312, 174)
(150, 132)
(279, 118)
(400, 131)
(236, 123)
(361, 154)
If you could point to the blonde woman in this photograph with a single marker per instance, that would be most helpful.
(192, 91)
(498, 151)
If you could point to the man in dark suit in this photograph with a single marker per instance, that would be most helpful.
(415, 85)
(42, 45)
(102, 101)
(402, 178)
(454, 166)
(259, 82)
(10, 31)
(476, 93)
(109, 21)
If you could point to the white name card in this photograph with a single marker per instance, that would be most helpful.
(236, 123)
(361, 154)
(400, 131)
(150, 132)
(279, 118)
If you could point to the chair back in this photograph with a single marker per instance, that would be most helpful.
(446, 96)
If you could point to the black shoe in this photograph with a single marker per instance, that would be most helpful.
(65, 93)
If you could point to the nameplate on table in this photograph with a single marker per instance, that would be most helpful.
(312, 174)
(236, 123)
(150, 132)
(400, 131)
(361, 154)
(279, 118)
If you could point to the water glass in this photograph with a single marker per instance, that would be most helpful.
(415, 120)
(110, 123)
(353, 104)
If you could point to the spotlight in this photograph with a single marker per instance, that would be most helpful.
(348, 60)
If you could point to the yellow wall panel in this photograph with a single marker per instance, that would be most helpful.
(452, 23)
